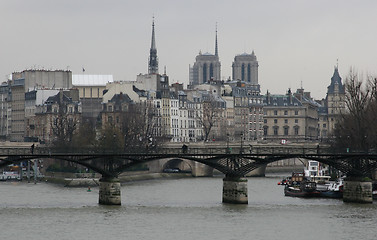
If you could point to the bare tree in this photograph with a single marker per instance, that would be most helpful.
(85, 137)
(140, 127)
(110, 139)
(354, 128)
(209, 115)
(63, 127)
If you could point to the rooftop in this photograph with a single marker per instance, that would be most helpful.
(91, 80)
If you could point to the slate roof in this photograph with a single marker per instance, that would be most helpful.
(281, 101)
(120, 98)
(335, 80)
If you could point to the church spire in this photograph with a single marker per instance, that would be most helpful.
(216, 49)
(153, 60)
(153, 42)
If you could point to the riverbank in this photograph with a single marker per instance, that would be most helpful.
(89, 180)
(92, 182)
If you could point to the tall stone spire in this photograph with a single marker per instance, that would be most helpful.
(153, 60)
(216, 49)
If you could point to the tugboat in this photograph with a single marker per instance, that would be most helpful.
(334, 190)
(299, 186)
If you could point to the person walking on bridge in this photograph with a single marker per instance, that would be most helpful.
(32, 149)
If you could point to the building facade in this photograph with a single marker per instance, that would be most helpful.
(5, 111)
(64, 105)
(91, 89)
(29, 80)
(290, 117)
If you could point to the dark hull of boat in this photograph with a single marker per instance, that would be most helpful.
(331, 194)
(301, 193)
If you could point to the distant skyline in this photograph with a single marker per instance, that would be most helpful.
(297, 42)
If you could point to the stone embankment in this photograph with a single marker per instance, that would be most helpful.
(74, 180)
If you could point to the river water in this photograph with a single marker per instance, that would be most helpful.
(188, 208)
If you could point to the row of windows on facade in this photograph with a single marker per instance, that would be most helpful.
(296, 112)
(285, 131)
(70, 109)
(276, 121)
(91, 92)
(183, 133)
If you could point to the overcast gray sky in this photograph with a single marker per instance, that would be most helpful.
(294, 40)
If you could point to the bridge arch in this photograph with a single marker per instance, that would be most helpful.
(196, 169)
(176, 164)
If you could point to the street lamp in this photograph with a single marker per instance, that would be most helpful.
(241, 150)
(348, 144)
(227, 143)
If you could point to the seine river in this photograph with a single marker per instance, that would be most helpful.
(188, 208)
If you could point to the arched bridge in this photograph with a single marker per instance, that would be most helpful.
(233, 165)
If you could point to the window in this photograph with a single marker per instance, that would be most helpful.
(265, 120)
(275, 121)
(296, 131)
(285, 121)
(286, 131)
(296, 120)
(285, 112)
(276, 112)
(265, 131)
(296, 112)
(324, 125)
(276, 131)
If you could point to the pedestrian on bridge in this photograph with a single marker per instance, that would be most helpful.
(32, 149)
(184, 148)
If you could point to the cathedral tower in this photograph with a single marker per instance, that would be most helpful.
(245, 68)
(206, 67)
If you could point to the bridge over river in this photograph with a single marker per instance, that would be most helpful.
(233, 165)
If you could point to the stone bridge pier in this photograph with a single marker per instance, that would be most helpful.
(235, 190)
(109, 191)
(357, 191)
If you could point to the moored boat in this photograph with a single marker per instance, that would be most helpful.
(334, 190)
(10, 176)
(299, 186)
(304, 189)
